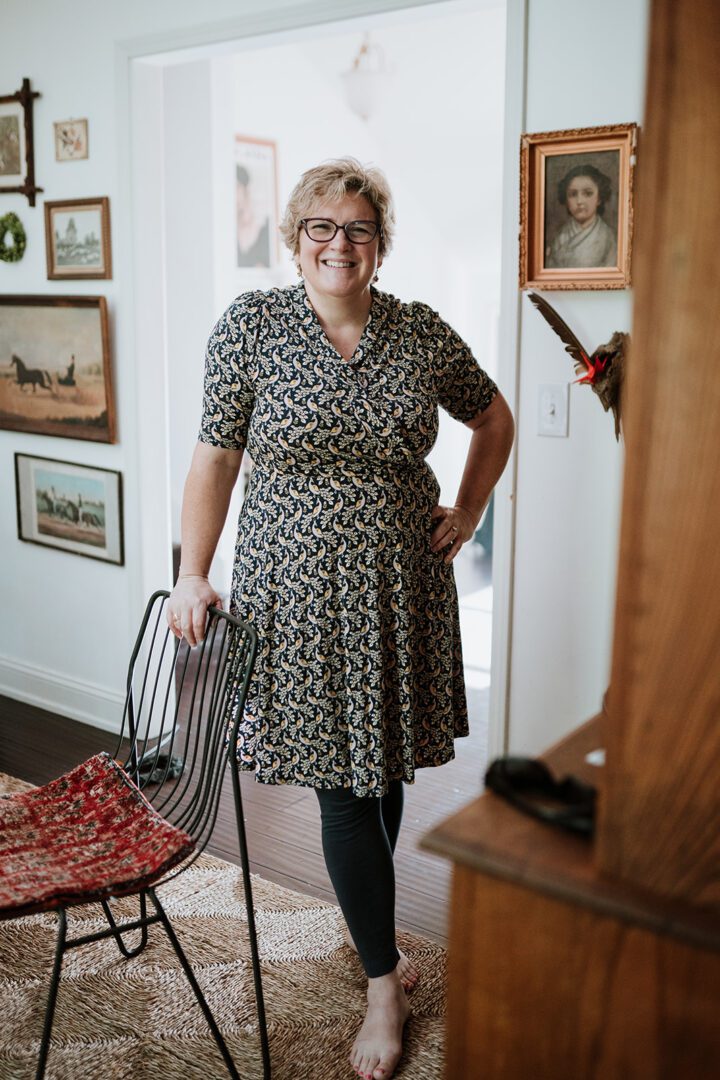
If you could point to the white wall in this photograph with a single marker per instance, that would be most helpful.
(586, 67)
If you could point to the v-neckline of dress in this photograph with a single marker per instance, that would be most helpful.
(361, 347)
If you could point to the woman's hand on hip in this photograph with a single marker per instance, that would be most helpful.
(187, 607)
(454, 528)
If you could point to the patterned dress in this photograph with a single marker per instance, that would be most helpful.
(359, 676)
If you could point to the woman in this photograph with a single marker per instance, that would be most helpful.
(343, 559)
(586, 240)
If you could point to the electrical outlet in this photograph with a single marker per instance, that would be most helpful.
(553, 399)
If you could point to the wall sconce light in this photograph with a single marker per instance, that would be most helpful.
(367, 80)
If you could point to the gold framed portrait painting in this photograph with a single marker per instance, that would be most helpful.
(576, 208)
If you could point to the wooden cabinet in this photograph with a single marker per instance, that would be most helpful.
(572, 959)
(560, 972)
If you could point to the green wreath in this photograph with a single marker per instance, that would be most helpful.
(14, 252)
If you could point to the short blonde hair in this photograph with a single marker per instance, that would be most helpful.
(330, 182)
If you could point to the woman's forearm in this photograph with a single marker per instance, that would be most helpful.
(490, 446)
(206, 498)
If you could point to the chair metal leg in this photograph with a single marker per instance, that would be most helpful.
(222, 1046)
(52, 994)
(252, 931)
(128, 953)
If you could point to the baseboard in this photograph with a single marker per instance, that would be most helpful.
(86, 702)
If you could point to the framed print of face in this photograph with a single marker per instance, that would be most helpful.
(576, 208)
(255, 203)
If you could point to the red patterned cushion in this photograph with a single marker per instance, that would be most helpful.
(86, 836)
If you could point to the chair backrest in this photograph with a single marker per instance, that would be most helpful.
(182, 711)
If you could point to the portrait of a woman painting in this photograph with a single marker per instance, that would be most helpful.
(581, 217)
(576, 208)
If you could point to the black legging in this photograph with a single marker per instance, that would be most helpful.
(359, 837)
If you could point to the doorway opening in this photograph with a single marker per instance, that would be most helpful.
(436, 130)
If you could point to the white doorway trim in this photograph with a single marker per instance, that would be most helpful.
(141, 303)
(508, 378)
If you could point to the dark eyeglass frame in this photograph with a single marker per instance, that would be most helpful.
(306, 221)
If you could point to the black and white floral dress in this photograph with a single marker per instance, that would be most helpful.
(359, 677)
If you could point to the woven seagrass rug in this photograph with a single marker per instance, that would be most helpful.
(138, 1019)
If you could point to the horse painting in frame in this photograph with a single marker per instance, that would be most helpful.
(58, 347)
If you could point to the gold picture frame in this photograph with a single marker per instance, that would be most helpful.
(77, 239)
(576, 208)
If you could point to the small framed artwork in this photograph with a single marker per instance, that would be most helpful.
(576, 208)
(255, 203)
(71, 140)
(72, 507)
(17, 160)
(55, 376)
(77, 239)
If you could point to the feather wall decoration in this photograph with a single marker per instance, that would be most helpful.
(601, 370)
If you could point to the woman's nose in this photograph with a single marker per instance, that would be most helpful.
(340, 240)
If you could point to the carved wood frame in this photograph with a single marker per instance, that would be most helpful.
(24, 98)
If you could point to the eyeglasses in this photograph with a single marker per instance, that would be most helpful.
(357, 232)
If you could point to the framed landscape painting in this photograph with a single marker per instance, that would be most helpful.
(72, 507)
(77, 239)
(55, 374)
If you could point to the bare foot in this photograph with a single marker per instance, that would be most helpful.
(407, 971)
(378, 1046)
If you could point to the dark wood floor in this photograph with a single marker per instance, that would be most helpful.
(283, 823)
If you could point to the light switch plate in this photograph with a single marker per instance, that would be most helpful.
(553, 400)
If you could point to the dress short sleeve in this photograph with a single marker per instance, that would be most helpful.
(463, 388)
(229, 394)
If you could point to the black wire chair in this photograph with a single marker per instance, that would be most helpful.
(105, 830)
